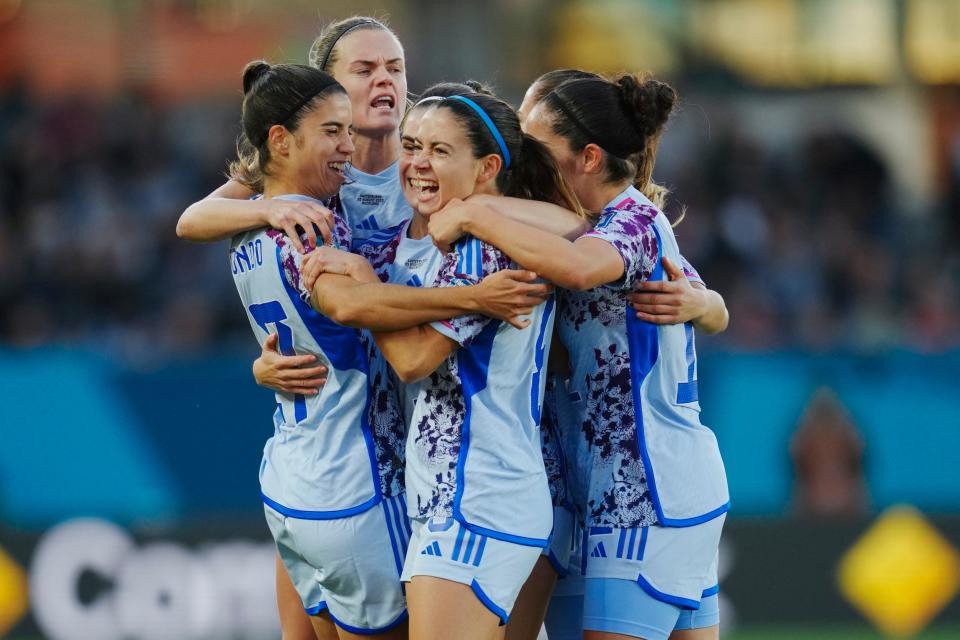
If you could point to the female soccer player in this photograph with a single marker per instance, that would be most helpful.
(652, 482)
(331, 477)
(475, 479)
(328, 467)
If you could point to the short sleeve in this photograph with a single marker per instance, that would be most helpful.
(290, 262)
(689, 272)
(630, 231)
(467, 264)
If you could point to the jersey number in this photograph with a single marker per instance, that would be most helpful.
(272, 313)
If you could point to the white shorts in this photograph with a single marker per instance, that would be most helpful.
(494, 569)
(675, 565)
(562, 541)
(349, 566)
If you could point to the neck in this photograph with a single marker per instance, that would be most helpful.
(418, 227)
(273, 187)
(597, 198)
(376, 153)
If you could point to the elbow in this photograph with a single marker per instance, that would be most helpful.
(343, 312)
(412, 367)
(186, 230)
(183, 229)
(578, 278)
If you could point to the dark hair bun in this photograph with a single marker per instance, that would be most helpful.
(479, 87)
(648, 103)
(253, 72)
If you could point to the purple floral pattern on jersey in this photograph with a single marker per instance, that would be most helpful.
(611, 481)
(291, 259)
(442, 406)
(386, 420)
(690, 272)
(437, 439)
(623, 498)
(630, 230)
(550, 443)
(577, 308)
(381, 255)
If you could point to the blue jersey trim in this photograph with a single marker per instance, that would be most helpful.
(643, 340)
(316, 609)
(368, 632)
(712, 591)
(489, 604)
(504, 537)
(684, 603)
(397, 556)
(535, 404)
(320, 515)
(474, 363)
(343, 348)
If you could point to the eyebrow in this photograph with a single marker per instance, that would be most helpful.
(372, 63)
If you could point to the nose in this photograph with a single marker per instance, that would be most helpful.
(381, 75)
(346, 144)
(420, 159)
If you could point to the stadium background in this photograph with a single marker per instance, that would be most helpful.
(816, 151)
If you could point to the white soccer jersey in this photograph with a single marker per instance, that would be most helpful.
(399, 259)
(373, 202)
(473, 451)
(642, 456)
(339, 452)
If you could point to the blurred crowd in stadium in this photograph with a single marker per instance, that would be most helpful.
(809, 245)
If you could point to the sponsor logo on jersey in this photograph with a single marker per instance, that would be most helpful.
(370, 199)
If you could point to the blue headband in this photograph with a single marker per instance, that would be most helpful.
(492, 127)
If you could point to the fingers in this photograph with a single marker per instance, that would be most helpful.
(656, 309)
(659, 286)
(301, 373)
(305, 391)
(518, 322)
(654, 299)
(270, 344)
(655, 319)
(290, 229)
(521, 275)
(673, 271)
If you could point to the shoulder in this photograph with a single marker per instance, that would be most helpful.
(474, 257)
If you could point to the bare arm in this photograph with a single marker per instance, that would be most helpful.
(542, 215)
(346, 289)
(398, 316)
(229, 210)
(579, 265)
(416, 352)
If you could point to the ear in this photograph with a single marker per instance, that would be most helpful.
(592, 158)
(279, 140)
(489, 168)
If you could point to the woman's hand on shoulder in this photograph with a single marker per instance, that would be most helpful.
(671, 301)
(296, 217)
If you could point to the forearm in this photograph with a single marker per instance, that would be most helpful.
(541, 215)
(552, 257)
(217, 218)
(715, 318)
(389, 307)
(414, 353)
